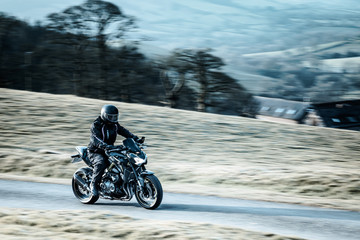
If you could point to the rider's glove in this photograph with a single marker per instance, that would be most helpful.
(140, 140)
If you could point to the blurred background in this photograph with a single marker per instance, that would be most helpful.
(208, 55)
(284, 61)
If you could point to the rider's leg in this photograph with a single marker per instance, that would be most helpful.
(99, 162)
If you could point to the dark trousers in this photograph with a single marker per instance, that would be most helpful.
(100, 163)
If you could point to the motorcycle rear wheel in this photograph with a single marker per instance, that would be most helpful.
(83, 194)
(152, 194)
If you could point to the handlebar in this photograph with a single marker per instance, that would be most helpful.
(116, 148)
(138, 142)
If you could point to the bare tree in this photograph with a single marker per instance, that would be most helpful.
(200, 62)
(172, 86)
(173, 77)
(94, 19)
(8, 25)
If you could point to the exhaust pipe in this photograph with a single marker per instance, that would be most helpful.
(81, 182)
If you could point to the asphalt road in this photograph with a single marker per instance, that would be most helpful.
(283, 219)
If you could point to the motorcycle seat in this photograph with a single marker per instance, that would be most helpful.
(84, 154)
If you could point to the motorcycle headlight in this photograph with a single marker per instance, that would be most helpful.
(138, 160)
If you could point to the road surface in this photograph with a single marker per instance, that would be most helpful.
(283, 219)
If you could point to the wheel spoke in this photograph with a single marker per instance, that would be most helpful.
(82, 192)
(151, 195)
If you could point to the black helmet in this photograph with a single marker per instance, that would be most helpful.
(109, 113)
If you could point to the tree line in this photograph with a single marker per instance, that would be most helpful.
(84, 50)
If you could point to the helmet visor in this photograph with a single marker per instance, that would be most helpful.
(112, 117)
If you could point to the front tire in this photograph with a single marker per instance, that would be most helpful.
(152, 194)
(83, 194)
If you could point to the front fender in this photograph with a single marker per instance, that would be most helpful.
(143, 174)
(146, 173)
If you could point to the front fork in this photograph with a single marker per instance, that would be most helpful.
(140, 178)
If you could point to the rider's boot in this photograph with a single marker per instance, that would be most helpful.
(94, 189)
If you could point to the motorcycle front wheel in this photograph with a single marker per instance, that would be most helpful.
(151, 195)
(83, 176)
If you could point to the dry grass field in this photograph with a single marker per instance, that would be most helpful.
(189, 151)
(22, 224)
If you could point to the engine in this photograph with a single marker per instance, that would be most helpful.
(111, 185)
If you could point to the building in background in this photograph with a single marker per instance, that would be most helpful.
(281, 110)
(341, 114)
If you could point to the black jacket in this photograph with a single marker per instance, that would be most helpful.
(104, 134)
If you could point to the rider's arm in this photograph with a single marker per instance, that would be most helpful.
(124, 132)
(97, 135)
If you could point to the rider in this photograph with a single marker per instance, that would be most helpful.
(103, 135)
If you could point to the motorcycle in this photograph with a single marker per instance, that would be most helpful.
(125, 177)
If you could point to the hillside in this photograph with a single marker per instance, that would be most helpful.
(321, 72)
(254, 36)
(189, 151)
(325, 50)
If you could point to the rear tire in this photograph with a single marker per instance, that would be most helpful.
(83, 194)
(152, 194)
